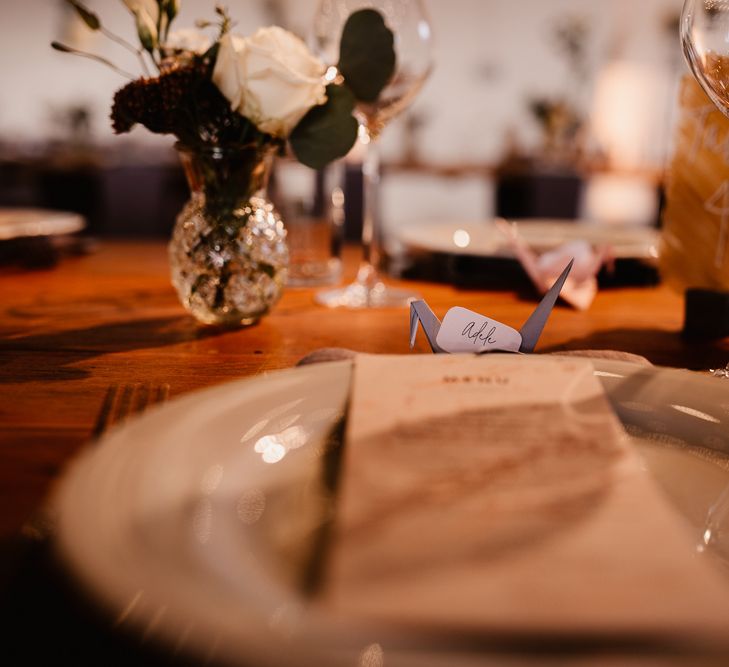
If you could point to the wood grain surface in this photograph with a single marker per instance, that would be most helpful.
(68, 333)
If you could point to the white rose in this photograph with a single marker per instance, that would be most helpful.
(270, 78)
(188, 39)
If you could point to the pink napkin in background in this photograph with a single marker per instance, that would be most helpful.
(581, 286)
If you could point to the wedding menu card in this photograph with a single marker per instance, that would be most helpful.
(499, 494)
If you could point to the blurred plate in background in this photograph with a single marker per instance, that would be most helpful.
(31, 222)
(482, 239)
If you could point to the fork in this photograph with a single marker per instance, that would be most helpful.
(120, 402)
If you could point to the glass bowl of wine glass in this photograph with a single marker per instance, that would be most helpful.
(705, 41)
(413, 44)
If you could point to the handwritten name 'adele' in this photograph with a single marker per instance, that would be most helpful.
(480, 336)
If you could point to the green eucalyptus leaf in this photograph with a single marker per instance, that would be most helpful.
(328, 131)
(367, 54)
(86, 15)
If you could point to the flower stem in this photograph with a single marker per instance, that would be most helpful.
(92, 56)
(129, 47)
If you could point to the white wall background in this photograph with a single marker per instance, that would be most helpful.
(491, 55)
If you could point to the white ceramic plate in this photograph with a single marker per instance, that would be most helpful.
(482, 239)
(23, 222)
(194, 523)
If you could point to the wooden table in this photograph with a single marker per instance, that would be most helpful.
(111, 317)
(68, 333)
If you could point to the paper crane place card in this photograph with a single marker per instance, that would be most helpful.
(464, 331)
(580, 288)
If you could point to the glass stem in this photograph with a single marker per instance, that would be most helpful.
(371, 227)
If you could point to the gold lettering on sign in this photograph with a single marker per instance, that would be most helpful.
(718, 204)
(706, 138)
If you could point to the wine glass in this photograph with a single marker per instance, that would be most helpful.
(705, 40)
(413, 46)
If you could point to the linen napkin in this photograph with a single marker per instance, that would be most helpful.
(580, 288)
(500, 495)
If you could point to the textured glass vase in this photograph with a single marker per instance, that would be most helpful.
(228, 251)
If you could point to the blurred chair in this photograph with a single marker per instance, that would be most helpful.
(75, 189)
(18, 184)
(538, 194)
(142, 201)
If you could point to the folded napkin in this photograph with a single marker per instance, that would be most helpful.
(580, 287)
(502, 497)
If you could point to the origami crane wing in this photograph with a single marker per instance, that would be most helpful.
(533, 327)
(421, 312)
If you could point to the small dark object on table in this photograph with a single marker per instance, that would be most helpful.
(706, 314)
